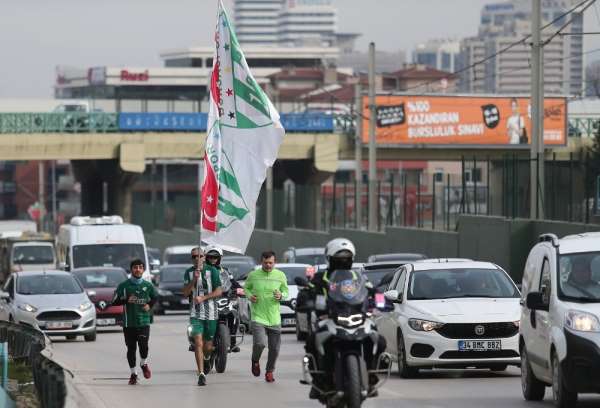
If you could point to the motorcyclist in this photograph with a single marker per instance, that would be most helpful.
(340, 253)
(214, 254)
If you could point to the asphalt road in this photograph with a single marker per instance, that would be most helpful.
(101, 375)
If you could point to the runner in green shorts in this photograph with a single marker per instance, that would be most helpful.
(203, 284)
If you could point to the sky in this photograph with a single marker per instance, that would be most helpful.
(38, 35)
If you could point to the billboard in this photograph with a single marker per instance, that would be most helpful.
(463, 120)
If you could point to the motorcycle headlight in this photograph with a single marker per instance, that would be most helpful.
(350, 321)
(164, 292)
(26, 307)
(424, 325)
(85, 306)
(222, 302)
(582, 321)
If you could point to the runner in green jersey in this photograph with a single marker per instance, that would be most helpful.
(138, 296)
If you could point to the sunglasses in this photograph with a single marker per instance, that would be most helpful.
(196, 256)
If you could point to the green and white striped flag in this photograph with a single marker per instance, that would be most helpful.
(244, 135)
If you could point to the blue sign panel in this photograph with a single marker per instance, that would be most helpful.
(307, 122)
(163, 121)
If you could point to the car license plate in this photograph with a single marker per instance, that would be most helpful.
(289, 321)
(105, 322)
(479, 345)
(58, 325)
(185, 301)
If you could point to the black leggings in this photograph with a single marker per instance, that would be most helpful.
(136, 336)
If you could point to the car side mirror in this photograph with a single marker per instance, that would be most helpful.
(63, 266)
(4, 295)
(535, 301)
(393, 296)
(300, 281)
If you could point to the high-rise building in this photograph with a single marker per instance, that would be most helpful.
(257, 21)
(295, 23)
(442, 55)
(503, 24)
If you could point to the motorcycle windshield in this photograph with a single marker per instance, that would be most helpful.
(225, 280)
(347, 286)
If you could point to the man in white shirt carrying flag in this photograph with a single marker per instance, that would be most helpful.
(244, 135)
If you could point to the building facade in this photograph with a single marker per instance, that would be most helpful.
(442, 55)
(504, 24)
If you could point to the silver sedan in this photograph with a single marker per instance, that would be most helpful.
(51, 301)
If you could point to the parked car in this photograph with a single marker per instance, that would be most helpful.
(178, 254)
(311, 256)
(100, 284)
(560, 318)
(51, 301)
(170, 289)
(154, 261)
(403, 257)
(454, 314)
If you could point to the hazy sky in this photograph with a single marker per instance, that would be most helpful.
(37, 35)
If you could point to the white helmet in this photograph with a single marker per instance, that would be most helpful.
(213, 248)
(339, 244)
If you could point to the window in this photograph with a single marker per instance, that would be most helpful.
(439, 175)
(546, 281)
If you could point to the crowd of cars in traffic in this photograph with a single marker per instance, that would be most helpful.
(438, 313)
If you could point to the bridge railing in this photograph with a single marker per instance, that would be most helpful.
(99, 122)
(76, 122)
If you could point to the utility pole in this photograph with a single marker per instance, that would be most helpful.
(536, 156)
(53, 196)
(372, 157)
(358, 153)
(41, 199)
(269, 199)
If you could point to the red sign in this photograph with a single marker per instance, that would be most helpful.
(134, 76)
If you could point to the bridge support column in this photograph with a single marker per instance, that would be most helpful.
(308, 180)
(92, 174)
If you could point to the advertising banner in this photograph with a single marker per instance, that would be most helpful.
(463, 120)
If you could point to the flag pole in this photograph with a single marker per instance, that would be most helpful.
(200, 203)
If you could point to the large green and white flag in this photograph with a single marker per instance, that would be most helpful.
(244, 135)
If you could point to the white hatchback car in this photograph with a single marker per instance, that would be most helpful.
(560, 319)
(461, 314)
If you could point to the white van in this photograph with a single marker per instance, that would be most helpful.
(559, 336)
(101, 241)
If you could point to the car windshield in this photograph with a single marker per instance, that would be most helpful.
(172, 274)
(238, 269)
(179, 259)
(375, 275)
(292, 272)
(119, 255)
(580, 277)
(458, 283)
(314, 259)
(101, 278)
(48, 285)
(33, 255)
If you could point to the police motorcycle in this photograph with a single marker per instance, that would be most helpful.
(347, 337)
(229, 323)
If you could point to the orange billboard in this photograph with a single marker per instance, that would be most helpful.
(462, 120)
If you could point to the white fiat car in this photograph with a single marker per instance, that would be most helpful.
(455, 314)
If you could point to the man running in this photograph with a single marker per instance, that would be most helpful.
(138, 296)
(203, 283)
(265, 288)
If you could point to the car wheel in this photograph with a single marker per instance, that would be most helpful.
(404, 369)
(90, 337)
(563, 398)
(533, 389)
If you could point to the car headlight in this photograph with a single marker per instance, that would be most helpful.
(582, 321)
(424, 325)
(27, 308)
(164, 292)
(85, 306)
